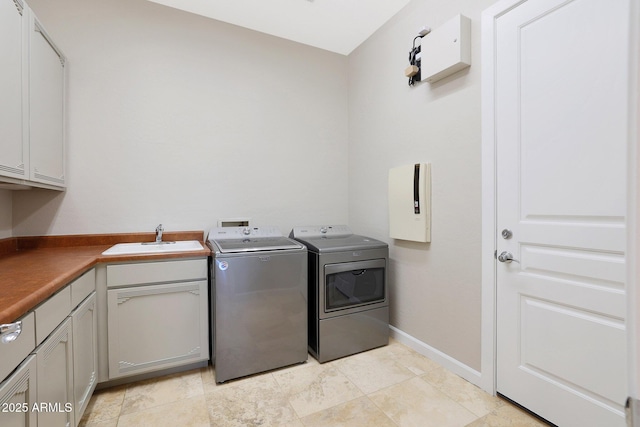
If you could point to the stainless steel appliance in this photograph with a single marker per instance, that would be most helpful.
(348, 291)
(258, 301)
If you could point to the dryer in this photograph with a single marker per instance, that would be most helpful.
(347, 290)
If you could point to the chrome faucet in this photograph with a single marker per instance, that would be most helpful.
(159, 231)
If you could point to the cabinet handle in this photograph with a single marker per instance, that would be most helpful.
(38, 28)
(19, 6)
(10, 331)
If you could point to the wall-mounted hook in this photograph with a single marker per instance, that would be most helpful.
(415, 58)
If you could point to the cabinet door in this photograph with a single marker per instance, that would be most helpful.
(13, 148)
(54, 361)
(18, 395)
(157, 326)
(85, 354)
(46, 108)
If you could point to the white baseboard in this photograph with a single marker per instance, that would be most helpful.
(632, 410)
(448, 362)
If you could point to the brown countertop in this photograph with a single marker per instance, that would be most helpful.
(34, 268)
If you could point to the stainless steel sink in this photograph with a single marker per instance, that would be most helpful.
(153, 247)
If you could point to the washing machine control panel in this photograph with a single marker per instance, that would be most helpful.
(243, 232)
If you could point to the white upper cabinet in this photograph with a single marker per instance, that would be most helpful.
(32, 146)
(13, 143)
(46, 107)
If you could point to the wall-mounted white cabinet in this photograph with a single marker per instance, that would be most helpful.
(14, 153)
(32, 147)
(46, 107)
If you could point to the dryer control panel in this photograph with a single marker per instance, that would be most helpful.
(320, 231)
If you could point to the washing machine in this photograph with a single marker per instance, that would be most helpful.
(258, 301)
(347, 291)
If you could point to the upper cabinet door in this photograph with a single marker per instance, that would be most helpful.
(13, 144)
(46, 108)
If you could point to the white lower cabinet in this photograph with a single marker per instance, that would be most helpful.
(85, 354)
(18, 395)
(153, 327)
(53, 384)
(54, 362)
(157, 318)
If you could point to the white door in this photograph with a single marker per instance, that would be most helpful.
(54, 365)
(46, 108)
(85, 353)
(561, 133)
(153, 327)
(13, 150)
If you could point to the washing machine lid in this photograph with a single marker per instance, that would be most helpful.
(333, 238)
(249, 239)
(256, 244)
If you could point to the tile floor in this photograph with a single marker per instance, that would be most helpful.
(389, 386)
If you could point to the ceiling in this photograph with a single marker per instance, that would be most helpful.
(335, 25)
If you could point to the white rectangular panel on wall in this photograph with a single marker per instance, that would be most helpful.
(410, 202)
(447, 49)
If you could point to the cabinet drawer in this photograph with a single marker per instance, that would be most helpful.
(82, 287)
(156, 272)
(13, 352)
(51, 313)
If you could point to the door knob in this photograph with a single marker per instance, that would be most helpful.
(507, 257)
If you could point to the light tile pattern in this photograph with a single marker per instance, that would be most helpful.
(390, 386)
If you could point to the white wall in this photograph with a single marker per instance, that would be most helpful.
(178, 119)
(6, 205)
(435, 287)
